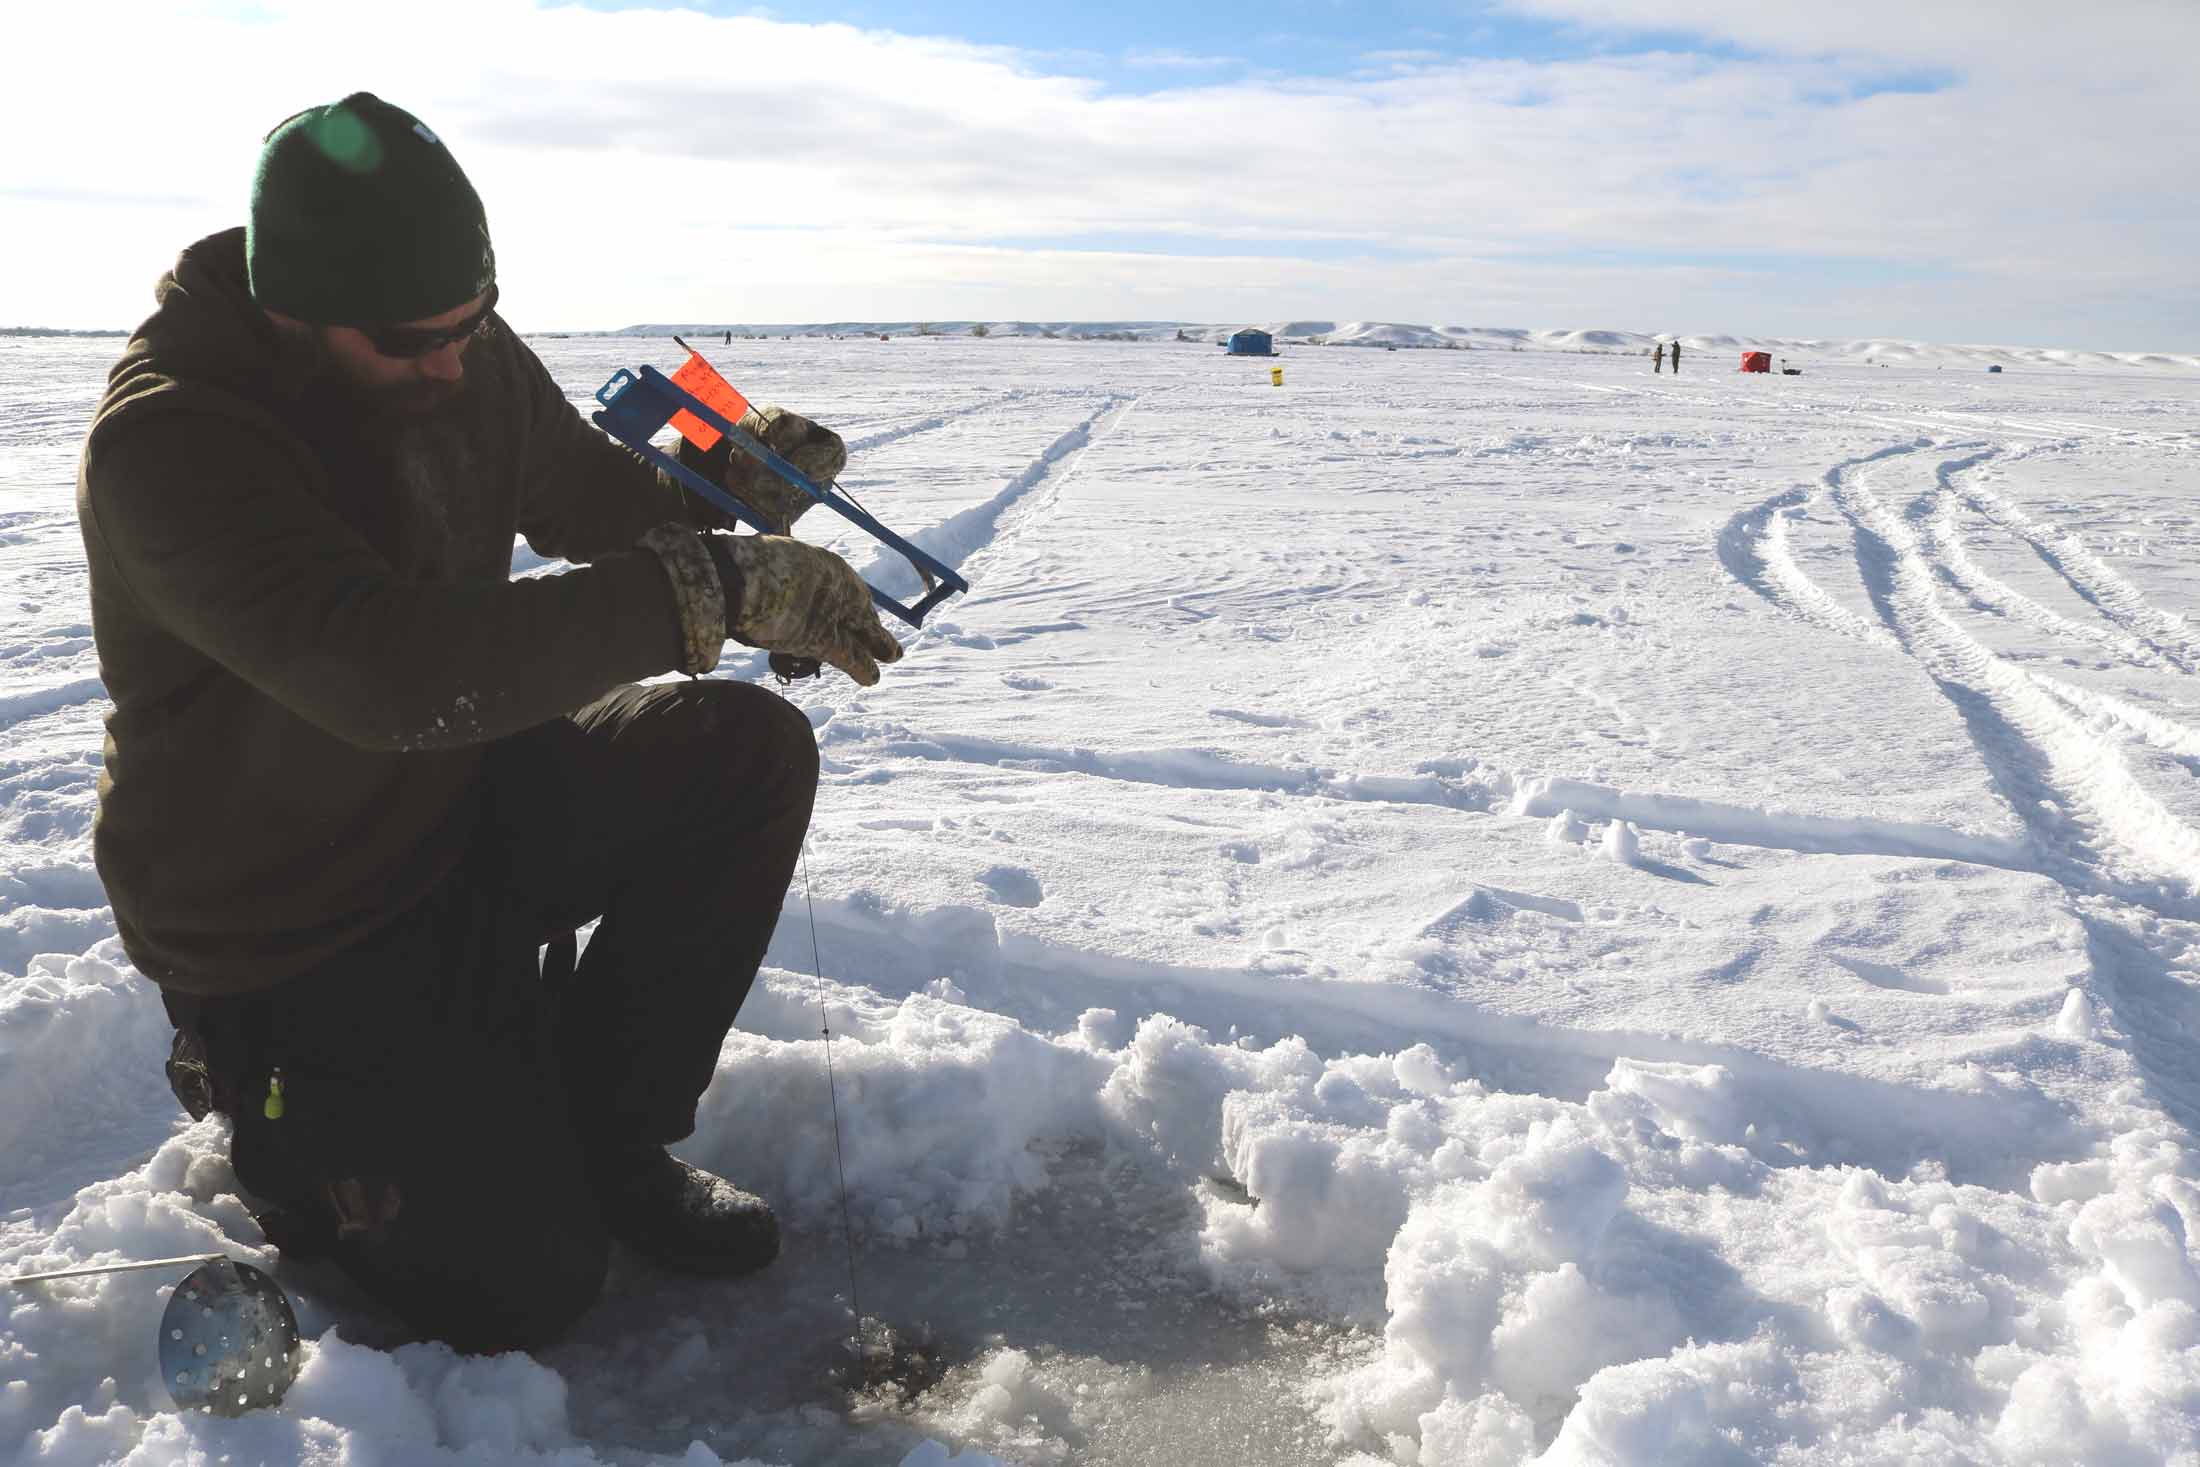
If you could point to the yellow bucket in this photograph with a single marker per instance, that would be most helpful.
(1275, 376)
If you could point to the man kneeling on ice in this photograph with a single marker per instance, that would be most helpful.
(356, 776)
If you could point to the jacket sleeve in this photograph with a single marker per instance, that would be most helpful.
(582, 493)
(214, 534)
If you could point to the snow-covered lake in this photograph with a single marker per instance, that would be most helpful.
(1474, 907)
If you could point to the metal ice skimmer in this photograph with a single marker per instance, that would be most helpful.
(228, 1338)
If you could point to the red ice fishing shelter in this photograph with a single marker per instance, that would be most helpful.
(1756, 361)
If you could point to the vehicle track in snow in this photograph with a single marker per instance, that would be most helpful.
(2039, 734)
(2156, 632)
(965, 538)
(2131, 723)
(1756, 549)
(932, 422)
(2094, 826)
(2053, 752)
(1955, 562)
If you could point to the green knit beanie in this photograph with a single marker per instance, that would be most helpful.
(361, 217)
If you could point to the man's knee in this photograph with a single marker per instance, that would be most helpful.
(558, 1279)
(750, 733)
(518, 1285)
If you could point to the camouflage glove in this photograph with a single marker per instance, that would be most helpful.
(789, 597)
(816, 451)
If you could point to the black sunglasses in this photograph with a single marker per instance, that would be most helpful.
(406, 343)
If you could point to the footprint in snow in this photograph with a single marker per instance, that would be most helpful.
(1821, 1014)
(1258, 720)
(1012, 886)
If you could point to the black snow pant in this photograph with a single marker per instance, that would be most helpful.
(440, 1057)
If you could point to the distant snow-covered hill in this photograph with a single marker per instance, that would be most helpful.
(1392, 334)
(1799, 349)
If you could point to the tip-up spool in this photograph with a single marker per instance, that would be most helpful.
(637, 405)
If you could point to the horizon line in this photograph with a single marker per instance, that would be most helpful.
(944, 326)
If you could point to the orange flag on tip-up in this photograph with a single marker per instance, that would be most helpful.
(701, 379)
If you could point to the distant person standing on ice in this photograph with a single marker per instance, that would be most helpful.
(1658, 358)
(1676, 356)
(355, 774)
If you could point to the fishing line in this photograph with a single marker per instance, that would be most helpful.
(840, 1165)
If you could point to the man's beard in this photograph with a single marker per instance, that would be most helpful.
(401, 403)
(370, 411)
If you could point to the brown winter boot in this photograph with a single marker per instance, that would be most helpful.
(681, 1216)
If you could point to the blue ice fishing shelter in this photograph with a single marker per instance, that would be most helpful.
(1995, 368)
(1251, 343)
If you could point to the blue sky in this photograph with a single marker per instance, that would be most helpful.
(1139, 46)
(1149, 45)
(1960, 170)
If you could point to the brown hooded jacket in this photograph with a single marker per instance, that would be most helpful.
(309, 631)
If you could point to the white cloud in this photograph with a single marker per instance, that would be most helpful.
(2080, 44)
(655, 164)
(1163, 58)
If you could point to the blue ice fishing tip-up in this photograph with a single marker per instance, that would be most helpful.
(637, 405)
